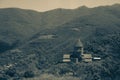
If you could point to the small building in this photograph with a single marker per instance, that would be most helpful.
(96, 58)
(66, 58)
(15, 51)
(87, 58)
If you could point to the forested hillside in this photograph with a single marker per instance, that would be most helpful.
(32, 43)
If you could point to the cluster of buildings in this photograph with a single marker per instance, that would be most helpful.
(78, 55)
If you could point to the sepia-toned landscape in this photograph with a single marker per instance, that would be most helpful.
(60, 44)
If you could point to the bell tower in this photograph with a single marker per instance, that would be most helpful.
(78, 49)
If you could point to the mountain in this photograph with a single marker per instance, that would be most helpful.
(36, 41)
(18, 25)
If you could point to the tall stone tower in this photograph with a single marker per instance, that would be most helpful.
(78, 49)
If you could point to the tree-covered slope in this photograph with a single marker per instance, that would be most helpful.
(98, 28)
(17, 25)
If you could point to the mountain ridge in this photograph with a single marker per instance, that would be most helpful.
(22, 24)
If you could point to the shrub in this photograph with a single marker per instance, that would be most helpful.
(11, 72)
(29, 74)
(2, 78)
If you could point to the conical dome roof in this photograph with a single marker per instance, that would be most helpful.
(78, 43)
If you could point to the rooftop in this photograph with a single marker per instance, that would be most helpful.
(87, 56)
(78, 43)
(66, 56)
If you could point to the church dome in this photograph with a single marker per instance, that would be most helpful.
(78, 43)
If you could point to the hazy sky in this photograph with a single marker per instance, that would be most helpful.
(44, 5)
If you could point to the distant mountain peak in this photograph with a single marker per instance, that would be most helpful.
(82, 7)
(116, 5)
